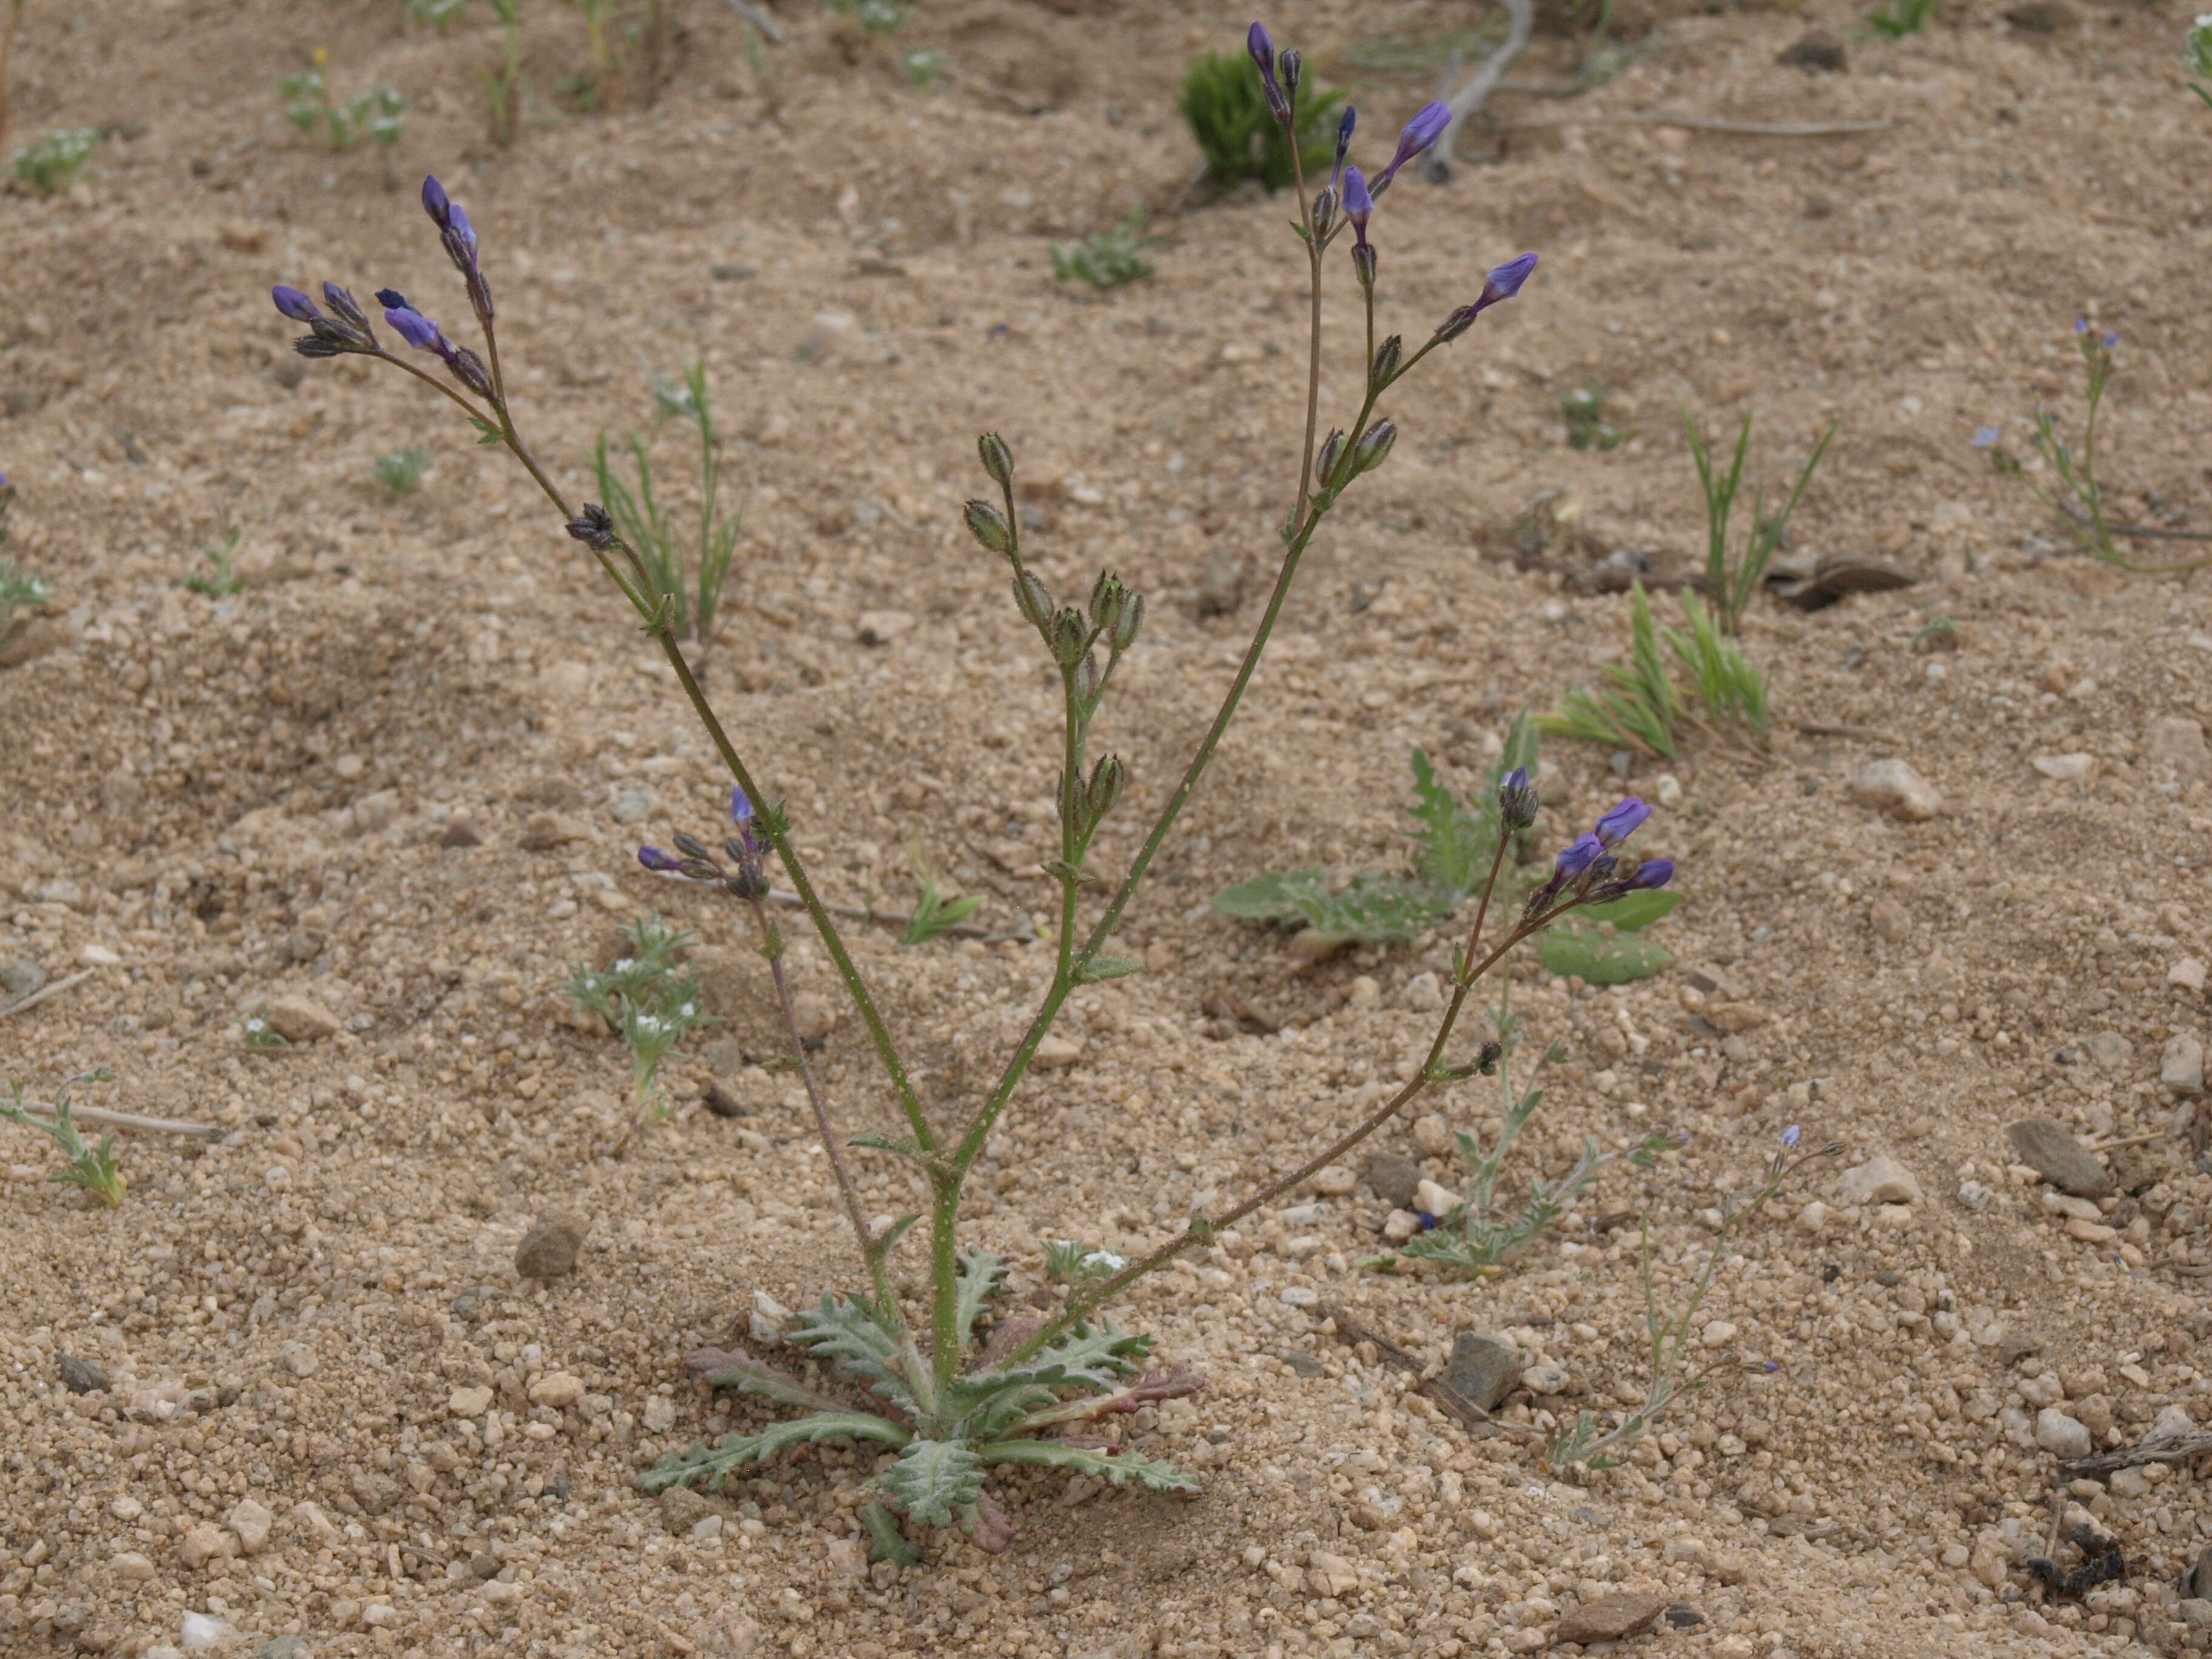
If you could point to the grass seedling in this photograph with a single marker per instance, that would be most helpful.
(221, 578)
(876, 16)
(1226, 106)
(378, 115)
(1730, 582)
(2078, 498)
(1475, 1237)
(402, 471)
(1895, 19)
(1113, 259)
(502, 85)
(933, 914)
(2197, 52)
(646, 527)
(1456, 845)
(649, 1001)
(1584, 409)
(437, 12)
(939, 1399)
(1589, 1444)
(51, 165)
(1642, 708)
(92, 1168)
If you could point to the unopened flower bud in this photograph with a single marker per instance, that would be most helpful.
(1388, 356)
(347, 307)
(1105, 786)
(469, 370)
(1363, 265)
(1324, 210)
(1089, 681)
(1325, 464)
(1107, 598)
(1486, 1062)
(1290, 67)
(594, 526)
(988, 525)
(691, 846)
(1622, 820)
(1132, 619)
(1034, 601)
(998, 459)
(1653, 872)
(1374, 446)
(656, 860)
(1516, 801)
(294, 303)
(1070, 637)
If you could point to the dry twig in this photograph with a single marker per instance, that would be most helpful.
(30, 998)
(1468, 101)
(2151, 1451)
(1352, 1330)
(215, 1134)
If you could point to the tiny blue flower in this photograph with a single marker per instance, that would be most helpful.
(1789, 1137)
(1621, 821)
(412, 326)
(1580, 853)
(294, 303)
(1653, 872)
(741, 808)
(2081, 325)
(1985, 437)
(2112, 339)
(1427, 126)
(1770, 1366)
(1359, 202)
(654, 859)
(1425, 1219)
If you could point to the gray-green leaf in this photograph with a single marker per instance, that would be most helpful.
(932, 1478)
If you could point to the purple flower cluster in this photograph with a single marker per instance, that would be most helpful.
(348, 330)
(1588, 869)
(691, 862)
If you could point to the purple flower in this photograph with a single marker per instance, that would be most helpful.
(2081, 325)
(1427, 126)
(1789, 1137)
(1985, 437)
(1425, 1219)
(1261, 45)
(1653, 872)
(412, 326)
(1770, 1366)
(1506, 281)
(2112, 339)
(1622, 821)
(741, 808)
(1580, 853)
(434, 202)
(651, 857)
(1358, 205)
(1344, 123)
(294, 303)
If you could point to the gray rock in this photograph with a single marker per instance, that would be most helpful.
(1221, 587)
(2046, 1146)
(285, 1647)
(2109, 1050)
(1301, 1362)
(475, 1303)
(2060, 1435)
(682, 1509)
(1392, 1177)
(1610, 1617)
(2182, 1066)
(1892, 787)
(1483, 1368)
(548, 1250)
(19, 977)
(635, 804)
(1879, 1181)
(2200, 1576)
(722, 1104)
(461, 832)
(2196, 1611)
(2041, 16)
(82, 1376)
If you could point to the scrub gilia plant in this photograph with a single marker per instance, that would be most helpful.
(942, 1402)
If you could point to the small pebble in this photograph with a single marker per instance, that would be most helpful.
(83, 1376)
(549, 1248)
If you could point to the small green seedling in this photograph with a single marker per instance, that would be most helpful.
(649, 998)
(1071, 1261)
(933, 914)
(1730, 582)
(261, 1035)
(1895, 19)
(402, 471)
(1113, 259)
(1584, 408)
(1224, 106)
(51, 165)
(221, 578)
(1642, 708)
(92, 1168)
(378, 115)
(639, 516)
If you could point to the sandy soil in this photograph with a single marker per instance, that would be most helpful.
(331, 1408)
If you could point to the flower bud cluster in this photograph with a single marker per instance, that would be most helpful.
(691, 862)
(1588, 869)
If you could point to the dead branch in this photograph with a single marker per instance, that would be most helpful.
(2151, 1451)
(1352, 1330)
(1467, 102)
(31, 998)
(213, 1132)
(770, 30)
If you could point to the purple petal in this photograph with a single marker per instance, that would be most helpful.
(741, 808)
(1357, 202)
(1654, 872)
(1621, 821)
(434, 202)
(653, 859)
(1985, 437)
(1261, 45)
(1506, 281)
(414, 327)
(294, 303)
(1580, 853)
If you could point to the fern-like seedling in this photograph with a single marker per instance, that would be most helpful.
(220, 578)
(92, 1168)
(51, 165)
(401, 472)
(649, 1001)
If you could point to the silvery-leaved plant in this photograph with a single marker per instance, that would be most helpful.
(947, 1390)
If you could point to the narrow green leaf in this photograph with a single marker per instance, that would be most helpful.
(1596, 960)
(1058, 1454)
(1632, 913)
(1106, 968)
(1266, 898)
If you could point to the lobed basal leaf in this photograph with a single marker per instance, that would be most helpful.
(934, 1481)
(848, 1334)
(713, 1463)
(980, 1273)
(1062, 1454)
(734, 1368)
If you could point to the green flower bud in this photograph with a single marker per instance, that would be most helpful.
(1070, 636)
(1033, 599)
(1388, 356)
(1374, 447)
(988, 525)
(1106, 599)
(998, 459)
(1325, 464)
(1130, 619)
(1104, 787)
(1088, 680)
